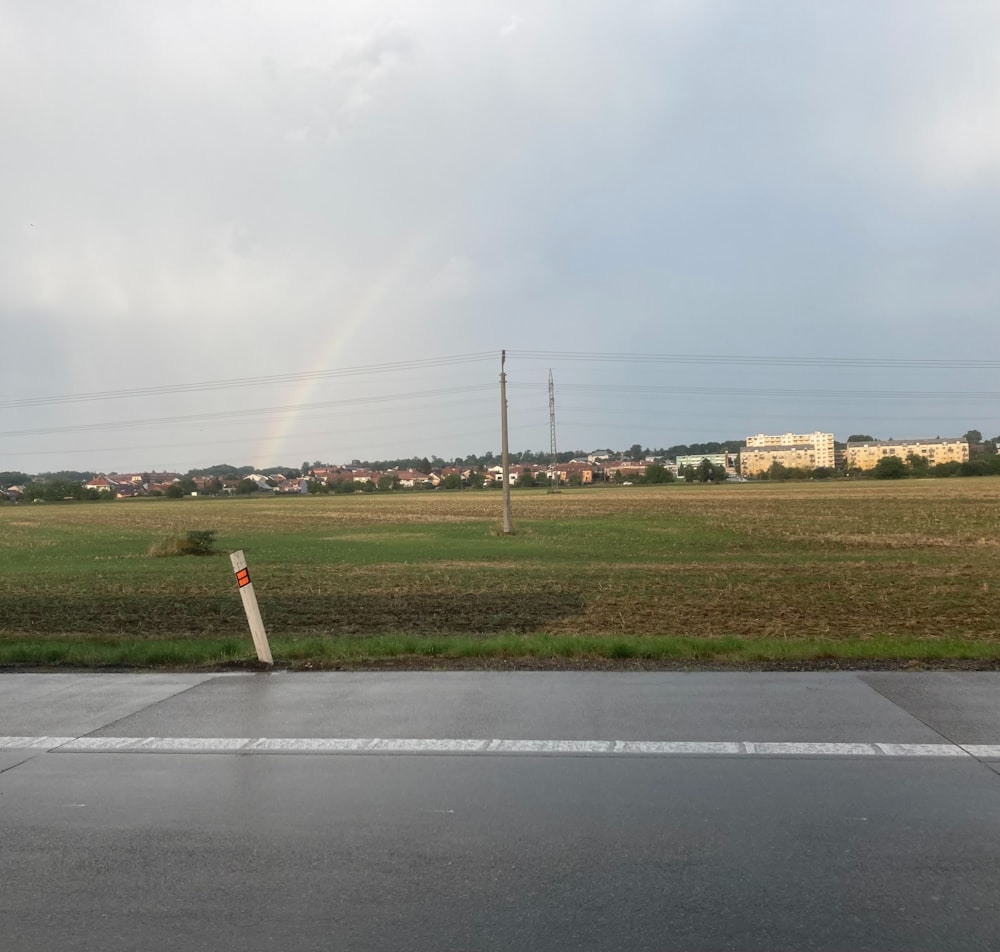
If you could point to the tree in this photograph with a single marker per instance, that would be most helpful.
(973, 436)
(974, 467)
(657, 474)
(174, 491)
(776, 471)
(452, 481)
(526, 480)
(53, 490)
(14, 478)
(636, 451)
(388, 482)
(860, 438)
(919, 466)
(890, 467)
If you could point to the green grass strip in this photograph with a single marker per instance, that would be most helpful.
(334, 651)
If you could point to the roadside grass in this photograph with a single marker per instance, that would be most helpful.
(338, 652)
(730, 574)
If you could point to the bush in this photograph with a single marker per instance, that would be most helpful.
(196, 542)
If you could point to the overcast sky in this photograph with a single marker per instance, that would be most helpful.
(368, 201)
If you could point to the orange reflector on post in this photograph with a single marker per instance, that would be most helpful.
(243, 577)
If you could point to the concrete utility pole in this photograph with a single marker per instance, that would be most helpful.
(552, 436)
(508, 526)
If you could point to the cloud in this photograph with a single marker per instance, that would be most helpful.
(216, 192)
(511, 26)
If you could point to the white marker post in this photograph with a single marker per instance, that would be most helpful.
(250, 607)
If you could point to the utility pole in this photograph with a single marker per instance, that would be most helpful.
(508, 526)
(553, 476)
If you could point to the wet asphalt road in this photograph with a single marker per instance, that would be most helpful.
(220, 847)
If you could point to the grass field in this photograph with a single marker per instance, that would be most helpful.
(734, 574)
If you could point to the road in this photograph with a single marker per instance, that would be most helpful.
(463, 810)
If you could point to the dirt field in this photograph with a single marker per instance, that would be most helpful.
(871, 563)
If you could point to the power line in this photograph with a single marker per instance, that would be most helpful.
(230, 415)
(435, 362)
(743, 360)
(242, 382)
(766, 391)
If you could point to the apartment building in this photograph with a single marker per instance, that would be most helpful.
(866, 455)
(728, 460)
(794, 450)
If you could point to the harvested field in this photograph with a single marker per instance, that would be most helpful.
(907, 569)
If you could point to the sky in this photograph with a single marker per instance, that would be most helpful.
(265, 233)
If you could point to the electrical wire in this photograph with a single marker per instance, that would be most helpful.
(231, 415)
(233, 383)
(754, 361)
(242, 382)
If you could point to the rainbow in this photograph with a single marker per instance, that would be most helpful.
(273, 446)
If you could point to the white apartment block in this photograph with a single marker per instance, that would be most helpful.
(718, 459)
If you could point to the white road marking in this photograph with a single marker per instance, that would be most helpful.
(983, 751)
(103, 744)
(32, 743)
(922, 750)
(193, 745)
(350, 745)
(678, 747)
(836, 750)
(315, 745)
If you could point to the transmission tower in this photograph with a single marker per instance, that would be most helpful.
(553, 476)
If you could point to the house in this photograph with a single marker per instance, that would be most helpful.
(293, 486)
(625, 468)
(408, 478)
(104, 484)
(576, 469)
(163, 478)
(128, 479)
(154, 488)
(365, 476)
(326, 474)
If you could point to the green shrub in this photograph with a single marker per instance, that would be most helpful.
(196, 542)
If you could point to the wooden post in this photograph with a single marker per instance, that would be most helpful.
(250, 607)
